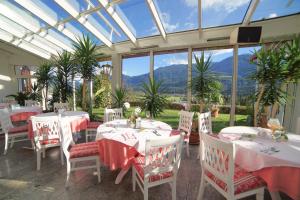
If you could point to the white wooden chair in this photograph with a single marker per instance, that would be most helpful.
(46, 135)
(91, 130)
(185, 125)
(219, 170)
(113, 114)
(31, 103)
(204, 127)
(12, 133)
(159, 165)
(76, 153)
(57, 106)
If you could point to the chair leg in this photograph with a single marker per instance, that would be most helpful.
(38, 159)
(187, 149)
(86, 136)
(12, 140)
(32, 144)
(145, 192)
(68, 173)
(98, 170)
(174, 189)
(61, 156)
(44, 152)
(202, 187)
(260, 195)
(6, 143)
(133, 179)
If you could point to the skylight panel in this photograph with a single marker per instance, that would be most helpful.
(57, 39)
(223, 12)
(12, 27)
(5, 36)
(268, 9)
(178, 15)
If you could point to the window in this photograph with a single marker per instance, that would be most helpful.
(24, 75)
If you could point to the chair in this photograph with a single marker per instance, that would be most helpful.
(219, 170)
(185, 125)
(46, 135)
(159, 165)
(12, 133)
(91, 130)
(76, 153)
(204, 127)
(57, 106)
(31, 103)
(113, 114)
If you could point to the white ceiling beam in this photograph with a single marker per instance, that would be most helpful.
(68, 6)
(157, 19)
(116, 17)
(250, 11)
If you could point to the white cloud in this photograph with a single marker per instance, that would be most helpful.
(219, 5)
(166, 22)
(272, 15)
(175, 61)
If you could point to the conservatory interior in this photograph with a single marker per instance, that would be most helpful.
(150, 99)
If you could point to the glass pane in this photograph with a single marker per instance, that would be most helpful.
(275, 8)
(220, 13)
(23, 70)
(135, 71)
(178, 15)
(137, 14)
(220, 102)
(171, 69)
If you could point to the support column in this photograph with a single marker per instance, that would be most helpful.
(189, 78)
(234, 84)
(151, 64)
(116, 82)
(74, 93)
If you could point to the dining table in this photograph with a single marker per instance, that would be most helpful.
(119, 143)
(277, 162)
(78, 120)
(23, 113)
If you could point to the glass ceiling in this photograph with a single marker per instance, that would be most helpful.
(113, 21)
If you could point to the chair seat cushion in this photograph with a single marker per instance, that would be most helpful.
(84, 150)
(93, 125)
(243, 181)
(49, 141)
(177, 132)
(18, 129)
(139, 164)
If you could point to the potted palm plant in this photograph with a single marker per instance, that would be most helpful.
(86, 59)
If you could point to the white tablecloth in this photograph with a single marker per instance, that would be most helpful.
(260, 152)
(27, 109)
(119, 131)
(67, 115)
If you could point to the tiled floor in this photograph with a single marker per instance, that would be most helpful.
(20, 180)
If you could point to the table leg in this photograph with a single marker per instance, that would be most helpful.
(275, 196)
(121, 174)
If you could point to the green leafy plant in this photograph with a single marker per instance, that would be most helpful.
(205, 84)
(152, 99)
(119, 97)
(34, 92)
(44, 76)
(102, 91)
(86, 59)
(20, 97)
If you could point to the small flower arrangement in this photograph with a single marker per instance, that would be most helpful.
(134, 116)
(126, 105)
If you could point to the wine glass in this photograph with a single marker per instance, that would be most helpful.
(274, 124)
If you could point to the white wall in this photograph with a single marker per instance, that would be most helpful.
(9, 57)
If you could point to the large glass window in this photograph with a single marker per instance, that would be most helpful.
(171, 69)
(24, 75)
(135, 72)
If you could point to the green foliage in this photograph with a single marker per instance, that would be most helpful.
(205, 84)
(152, 99)
(119, 97)
(20, 97)
(102, 91)
(34, 94)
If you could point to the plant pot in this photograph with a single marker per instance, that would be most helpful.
(194, 138)
(263, 120)
(215, 112)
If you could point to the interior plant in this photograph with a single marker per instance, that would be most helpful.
(34, 92)
(44, 76)
(20, 97)
(65, 70)
(153, 100)
(86, 60)
(119, 98)
(102, 90)
(205, 84)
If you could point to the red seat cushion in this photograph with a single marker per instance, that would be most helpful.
(18, 129)
(93, 125)
(49, 141)
(177, 132)
(84, 150)
(243, 181)
(139, 164)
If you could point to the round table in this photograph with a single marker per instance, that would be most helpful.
(24, 113)
(119, 144)
(78, 120)
(273, 161)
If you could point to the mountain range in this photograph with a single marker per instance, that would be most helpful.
(174, 77)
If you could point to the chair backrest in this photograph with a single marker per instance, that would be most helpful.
(162, 155)
(31, 103)
(9, 100)
(218, 159)
(66, 137)
(5, 120)
(185, 121)
(45, 128)
(57, 106)
(204, 123)
(113, 114)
